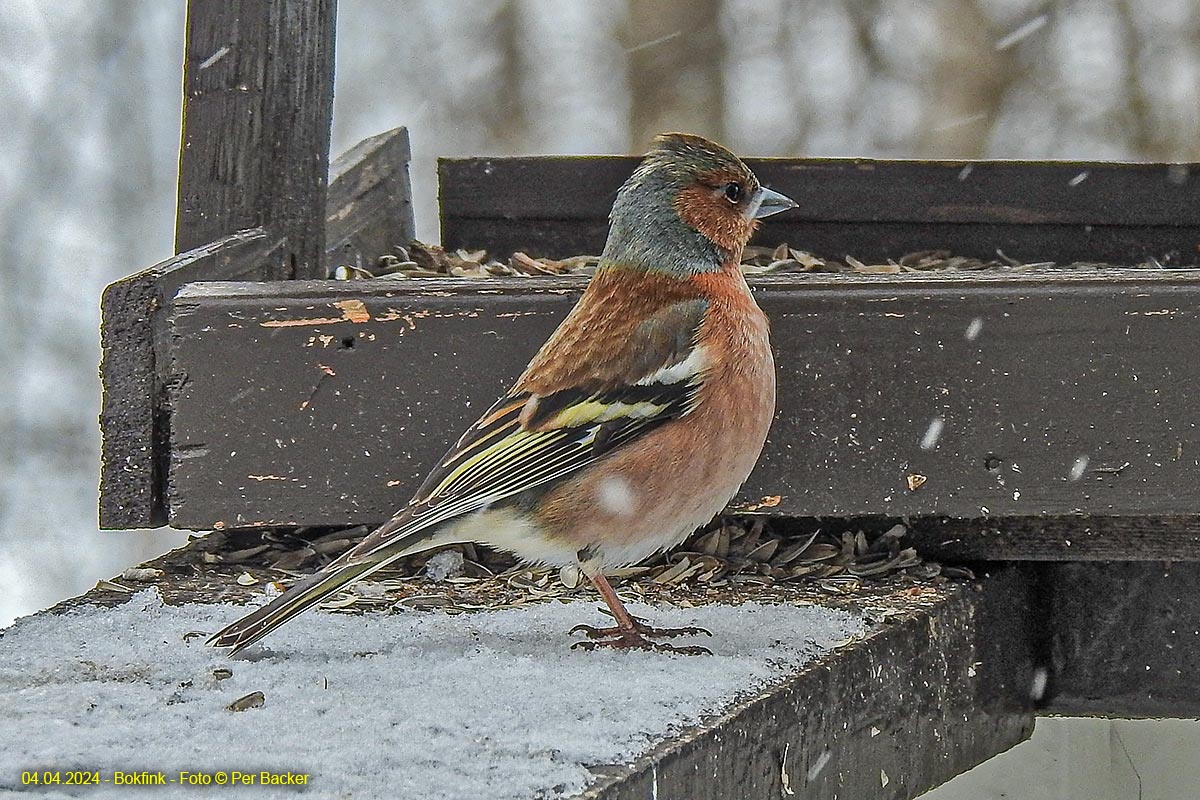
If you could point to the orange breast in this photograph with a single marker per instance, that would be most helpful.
(679, 476)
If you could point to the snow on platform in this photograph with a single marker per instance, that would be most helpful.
(408, 705)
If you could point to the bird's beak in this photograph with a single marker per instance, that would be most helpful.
(769, 202)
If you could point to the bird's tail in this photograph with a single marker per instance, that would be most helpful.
(368, 557)
(300, 597)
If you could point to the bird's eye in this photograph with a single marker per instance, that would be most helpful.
(733, 192)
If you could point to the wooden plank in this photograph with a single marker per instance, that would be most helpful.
(1034, 395)
(133, 373)
(850, 189)
(369, 208)
(1064, 538)
(258, 103)
(1121, 639)
(1033, 211)
(870, 242)
(941, 682)
(917, 702)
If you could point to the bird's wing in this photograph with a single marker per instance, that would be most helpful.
(529, 438)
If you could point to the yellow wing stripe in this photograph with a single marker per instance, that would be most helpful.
(589, 411)
(509, 461)
(504, 452)
(505, 445)
(471, 446)
(491, 460)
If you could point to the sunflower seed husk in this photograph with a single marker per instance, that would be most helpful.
(141, 574)
(791, 553)
(569, 576)
(763, 552)
(252, 700)
(669, 575)
(886, 540)
(423, 601)
(246, 553)
(820, 552)
(293, 560)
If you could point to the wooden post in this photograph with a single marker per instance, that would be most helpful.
(258, 104)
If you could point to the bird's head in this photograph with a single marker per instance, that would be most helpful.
(689, 207)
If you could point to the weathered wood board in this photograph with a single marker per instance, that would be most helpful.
(914, 704)
(1085, 638)
(1028, 395)
(872, 210)
(1119, 639)
(941, 682)
(369, 207)
(133, 340)
(1058, 538)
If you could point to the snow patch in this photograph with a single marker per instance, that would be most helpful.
(412, 704)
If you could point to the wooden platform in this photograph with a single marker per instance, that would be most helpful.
(943, 680)
(927, 695)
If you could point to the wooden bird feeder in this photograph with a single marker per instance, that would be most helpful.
(1040, 425)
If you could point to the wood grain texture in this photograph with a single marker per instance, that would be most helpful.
(369, 208)
(258, 103)
(921, 699)
(873, 210)
(1039, 395)
(372, 205)
(133, 418)
(1060, 538)
(1121, 639)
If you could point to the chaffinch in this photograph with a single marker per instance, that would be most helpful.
(636, 422)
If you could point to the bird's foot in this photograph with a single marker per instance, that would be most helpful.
(639, 636)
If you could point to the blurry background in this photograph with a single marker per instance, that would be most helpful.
(90, 102)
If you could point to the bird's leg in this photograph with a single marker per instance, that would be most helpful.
(631, 632)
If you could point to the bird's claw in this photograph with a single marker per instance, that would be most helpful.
(639, 637)
(637, 642)
(640, 629)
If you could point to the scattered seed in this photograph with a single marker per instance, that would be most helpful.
(763, 552)
(248, 553)
(569, 576)
(112, 586)
(141, 574)
(736, 559)
(252, 700)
